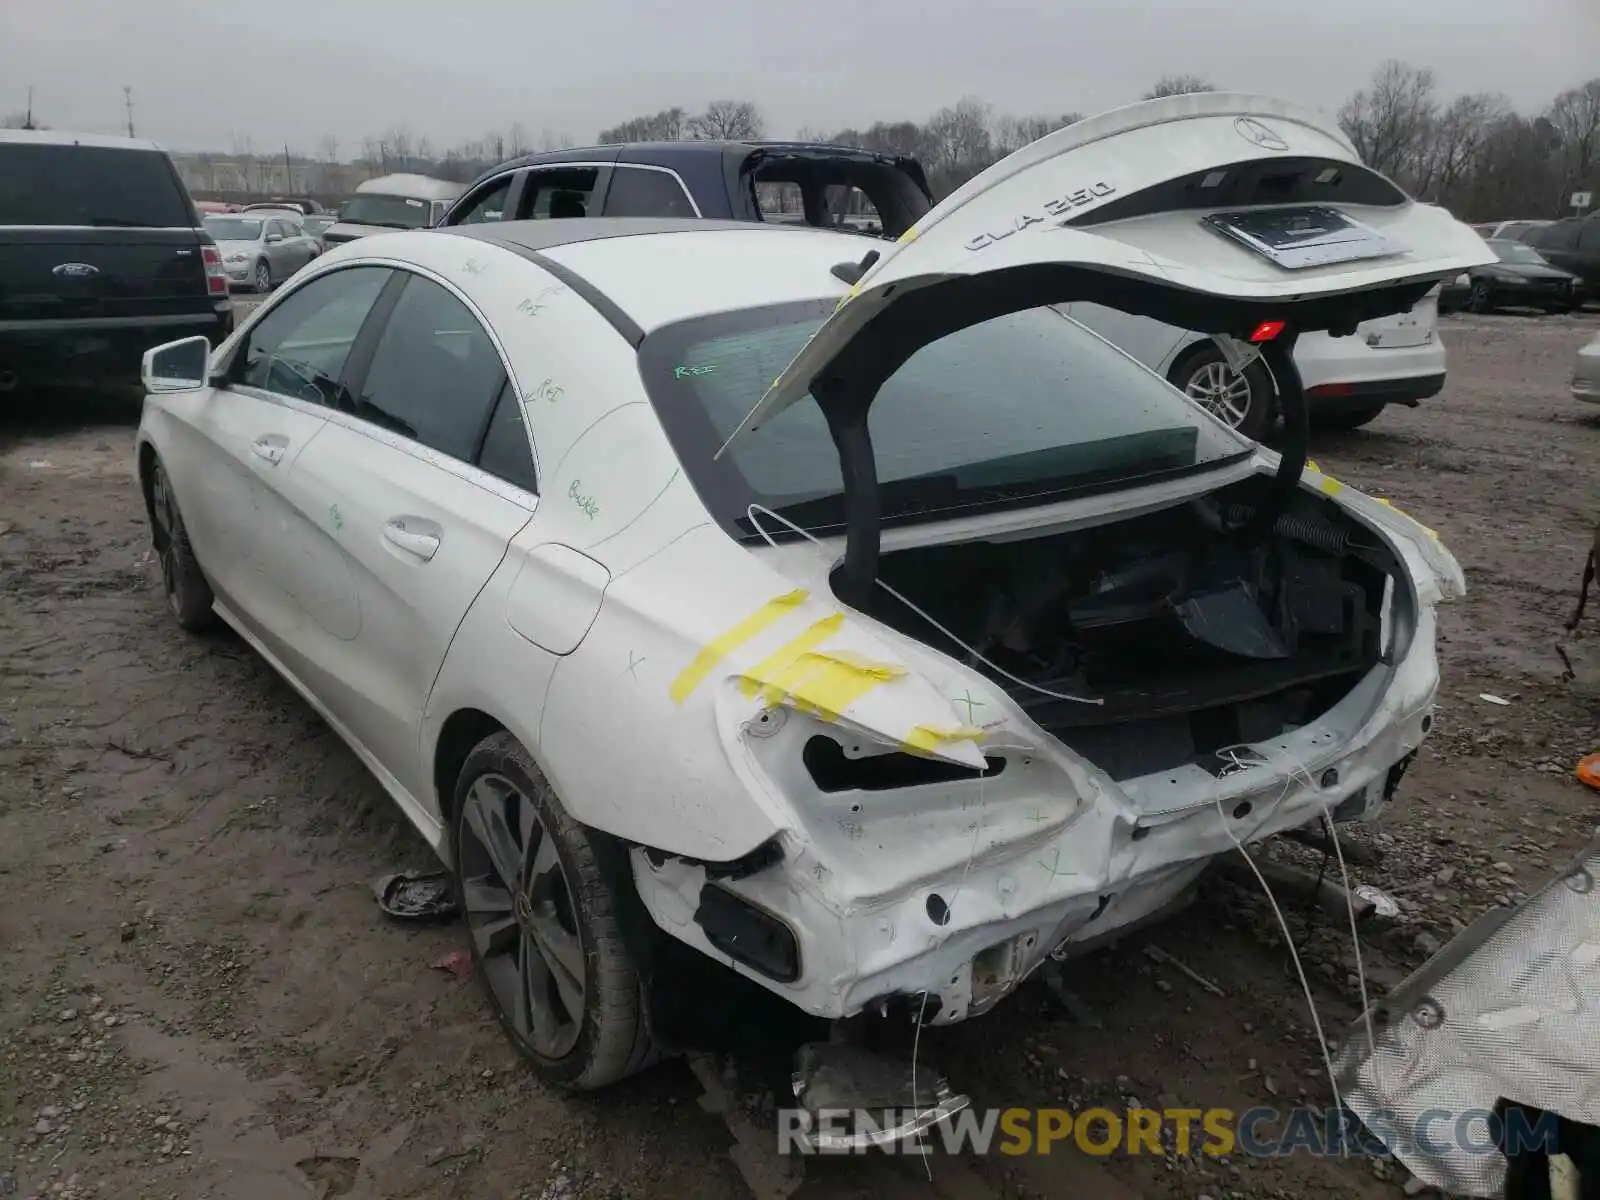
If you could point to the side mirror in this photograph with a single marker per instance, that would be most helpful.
(274, 237)
(182, 366)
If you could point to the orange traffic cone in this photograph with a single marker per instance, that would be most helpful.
(1589, 770)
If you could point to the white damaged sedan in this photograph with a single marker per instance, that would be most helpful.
(863, 624)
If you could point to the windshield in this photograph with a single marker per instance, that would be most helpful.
(1018, 409)
(233, 229)
(318, 224)
(401, 212)
(44, 184)
(1516, 252)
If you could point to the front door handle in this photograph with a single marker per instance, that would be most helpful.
(404, 533)
(271, 448)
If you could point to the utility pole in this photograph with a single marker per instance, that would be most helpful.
(27, 121)
(127, 100)
(288, 170)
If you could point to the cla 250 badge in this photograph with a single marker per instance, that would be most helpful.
(1050, 208)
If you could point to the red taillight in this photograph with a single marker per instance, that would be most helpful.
(1331, 389)
(1266, 331)
(216, 278)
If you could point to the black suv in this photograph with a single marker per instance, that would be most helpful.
(1573, 244)
(793, 182)
(102, 255)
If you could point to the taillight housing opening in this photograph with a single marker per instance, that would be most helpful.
(216, 277)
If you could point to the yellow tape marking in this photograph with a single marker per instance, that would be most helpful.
(909, 235)
(1330, 487)
(718, 648)
(817, 681)
(928, 739)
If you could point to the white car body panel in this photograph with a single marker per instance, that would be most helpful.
(666, 701)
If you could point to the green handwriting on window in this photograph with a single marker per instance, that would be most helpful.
(690, 372)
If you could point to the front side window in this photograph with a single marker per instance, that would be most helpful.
(557, 192)
(435, 373)
(1022, 408)
(300, 347)
(489, 206)
(639, 192)
(393, 212)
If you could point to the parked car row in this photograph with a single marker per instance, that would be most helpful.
(1520, 277)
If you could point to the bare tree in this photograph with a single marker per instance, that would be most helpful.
(1013, 133)
(1388, 120)
(1575, 115)
(960, 143)
(517, 143)
(668, 125)
(328, 148)
(727, 120)
(1450, 146)
(1178, 85)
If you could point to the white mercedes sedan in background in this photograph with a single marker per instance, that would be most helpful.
(862, 624)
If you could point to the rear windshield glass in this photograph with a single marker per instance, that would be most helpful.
(1018, 409)
(233, 229)
(90, 185)
(400, 212)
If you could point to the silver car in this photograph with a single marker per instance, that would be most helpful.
(260, 250)
(1586, 372)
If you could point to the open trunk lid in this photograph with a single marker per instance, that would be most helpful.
(1213, 212)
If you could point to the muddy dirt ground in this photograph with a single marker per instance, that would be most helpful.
(199, 998)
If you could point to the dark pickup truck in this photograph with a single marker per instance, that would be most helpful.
(102, 255)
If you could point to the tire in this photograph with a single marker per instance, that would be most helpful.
(184, 584)
(1353, 417)
(263, 277)
(1482, 298)
(1246, 404)
(558, 915)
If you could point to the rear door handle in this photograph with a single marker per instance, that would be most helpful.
(270, 447)
(412, 535)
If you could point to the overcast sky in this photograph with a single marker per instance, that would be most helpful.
(291, 71)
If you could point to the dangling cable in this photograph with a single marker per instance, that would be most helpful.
(1283, 923)
(751, 511)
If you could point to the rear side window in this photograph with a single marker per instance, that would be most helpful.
(780, 202)
(505, 451)
(90, 185)
(435, 373)
(558, 192)
(637, 192)
(300, 347)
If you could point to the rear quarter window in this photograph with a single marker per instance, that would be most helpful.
(90, 185)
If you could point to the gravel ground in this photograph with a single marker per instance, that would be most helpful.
(198, 997)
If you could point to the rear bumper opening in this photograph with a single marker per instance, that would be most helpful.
(1362, 394)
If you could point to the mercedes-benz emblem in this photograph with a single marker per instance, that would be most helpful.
(1252, 130)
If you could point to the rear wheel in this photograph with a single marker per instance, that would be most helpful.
(1353, 417)
(1241, 400)
(1482, 298)
(542, 914)
(187, 592)
(263, 276)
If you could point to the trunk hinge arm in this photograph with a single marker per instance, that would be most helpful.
(1278, 354)
(846, 413)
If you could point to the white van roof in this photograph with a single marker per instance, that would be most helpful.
(416, 187)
